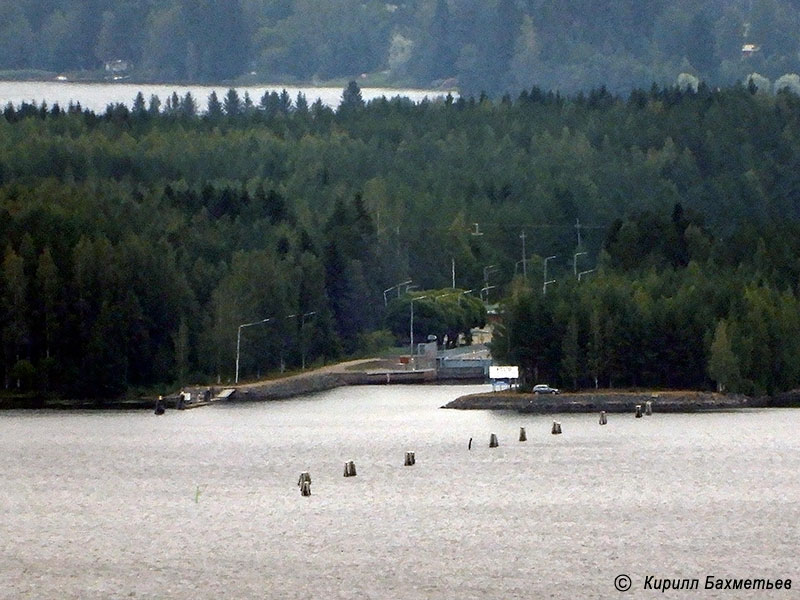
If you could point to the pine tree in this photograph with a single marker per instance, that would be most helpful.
(214, 110)
(351, 98)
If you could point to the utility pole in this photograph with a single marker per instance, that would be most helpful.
(524, 266)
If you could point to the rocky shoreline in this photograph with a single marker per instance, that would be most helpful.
(617, 401)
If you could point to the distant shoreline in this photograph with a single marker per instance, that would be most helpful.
(612, 401)
(46, 77)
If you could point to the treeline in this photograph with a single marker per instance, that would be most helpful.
(669, 306)
(490, 45)
(137, 241)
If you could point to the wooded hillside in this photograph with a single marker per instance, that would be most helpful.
(137, 241)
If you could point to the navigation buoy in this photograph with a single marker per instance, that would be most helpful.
(522, 435)
(493, 441)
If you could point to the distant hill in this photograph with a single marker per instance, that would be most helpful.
(477, 45)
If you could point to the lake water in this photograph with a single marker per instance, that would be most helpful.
(97, 96)
(205, 503)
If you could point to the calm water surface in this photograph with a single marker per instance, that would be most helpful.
(106, 505)
(97, 96)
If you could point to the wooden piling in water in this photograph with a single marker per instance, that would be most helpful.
(350, 469)
(603, 418)
(410, 459)
(638, 411)
(523, 437)
(493, 441)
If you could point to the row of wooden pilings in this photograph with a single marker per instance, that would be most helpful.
(304, 482)
(556, 429)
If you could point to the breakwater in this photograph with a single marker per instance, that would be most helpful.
(616, 402)
(313, 382)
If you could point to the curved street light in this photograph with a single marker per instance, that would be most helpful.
(398, 286)
(239, 340)
(411, 328)
(575, 262)
(544, 279)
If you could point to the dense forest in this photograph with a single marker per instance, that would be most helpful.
(474, 45)
(137, 241)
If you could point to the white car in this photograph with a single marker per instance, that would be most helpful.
(543, 388)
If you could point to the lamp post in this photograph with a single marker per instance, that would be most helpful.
(524, 266)
(411, 329)
(544, 285)
(486, 270)
(239, 341)
(302, 339)
(398, 286)
(575, 262)
(582, 273)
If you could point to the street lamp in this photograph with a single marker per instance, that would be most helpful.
(302, 339)
(486, 270)
(582, 273)
(516, 265)
(544, 285)
(411, 329)
(575, 262)
(398, 286)
(239, 341)
(524, 264)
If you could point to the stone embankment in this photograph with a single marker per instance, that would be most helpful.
(320, 380)
(613, 401)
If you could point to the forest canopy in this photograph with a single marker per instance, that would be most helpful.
(136, 241)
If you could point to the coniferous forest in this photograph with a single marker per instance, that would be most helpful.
(135, 242)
